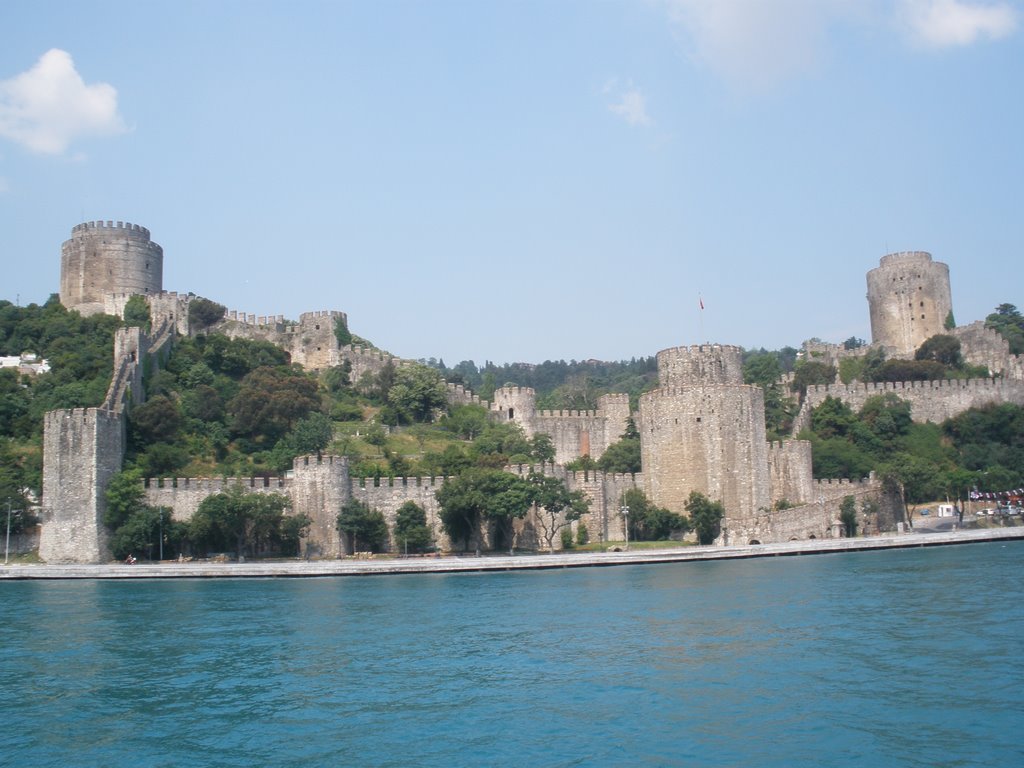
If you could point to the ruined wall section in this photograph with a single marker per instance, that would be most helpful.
(984, 346)
(816, 519)
(82, 450)
(909, 300)
(104, 258)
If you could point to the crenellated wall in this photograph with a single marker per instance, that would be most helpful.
(573, 433)
(933, 401)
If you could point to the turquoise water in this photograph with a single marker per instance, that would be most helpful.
(894, 658)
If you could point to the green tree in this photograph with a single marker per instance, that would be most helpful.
(156, 420)
(466, 421)
(705, 516)
(362, 527)
(411, 529)
(848, 516)
(341, 332)
(558, 507)
(942, 349)
(311, 434)
(812, 372)
(1008, 322)
(136, 313)
(125, 495)
(542, 448)
(271, 400)
(238, 519)
(480, 494)
(649, 522)
(418, 392)
(202, 313)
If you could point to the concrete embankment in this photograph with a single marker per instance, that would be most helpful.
(455, 564)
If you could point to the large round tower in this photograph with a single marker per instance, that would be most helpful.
(703, 430)
(106, 259)
(909, 300)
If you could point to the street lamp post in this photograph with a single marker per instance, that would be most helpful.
(625, 517)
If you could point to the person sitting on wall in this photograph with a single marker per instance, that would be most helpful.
(130, 560)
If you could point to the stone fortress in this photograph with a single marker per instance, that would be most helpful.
(702, 429)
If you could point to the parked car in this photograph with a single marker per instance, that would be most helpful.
(987, 511)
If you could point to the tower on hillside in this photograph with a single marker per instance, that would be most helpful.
(909, 300)
(703, 430)
(104, 259)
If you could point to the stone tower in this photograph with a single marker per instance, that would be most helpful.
(107, 259)
(703, 430)
(909, 299)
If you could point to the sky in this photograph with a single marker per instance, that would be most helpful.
(524, 181)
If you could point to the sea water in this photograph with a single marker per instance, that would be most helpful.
(892, 658)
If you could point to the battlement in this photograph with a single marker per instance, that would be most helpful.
(459, 395)
(301, 462)
(398, 482)
(904, 257)
(833, 484)
(123, 226)
(515, 391)
(260, 321)
(567, 414)
(211, 486)
(313, 317)
(819, 392)
(700, 364)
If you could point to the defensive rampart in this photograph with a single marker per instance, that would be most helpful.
(933, 401)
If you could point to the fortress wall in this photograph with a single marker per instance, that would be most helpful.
(459, 395)
(365, 360)
(392, 493)
(933, 401)
(817, 519)
(82, 450)
(183, 495)
(709, 439)
(789, 471)
(983, 346)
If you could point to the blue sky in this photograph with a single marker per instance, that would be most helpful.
(522, 181)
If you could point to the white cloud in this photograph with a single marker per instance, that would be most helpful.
(943, 23)
(760, 43)
(629, 103)
(757, 43)
(49, 106)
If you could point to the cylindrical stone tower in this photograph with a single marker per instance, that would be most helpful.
(909, 299)
(703, 430)
(104, 259)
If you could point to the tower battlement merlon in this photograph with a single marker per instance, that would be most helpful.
(122, 225)
(700, 365)
(904, 257)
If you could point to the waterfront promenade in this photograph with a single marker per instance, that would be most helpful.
(492, 562)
